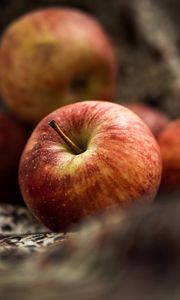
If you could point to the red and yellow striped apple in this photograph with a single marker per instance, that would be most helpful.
(169, 142)
(98, 155)
(52, 57)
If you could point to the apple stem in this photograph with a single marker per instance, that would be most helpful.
(76, 149)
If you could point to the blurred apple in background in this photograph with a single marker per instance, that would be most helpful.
(169, 142)
(97, 155)
(155, 119)
(52, 57)
(12, 141)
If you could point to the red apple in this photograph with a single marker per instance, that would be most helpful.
(52, 57)
(169, 142)
(155, 119)
(12, 142)
(101, 156)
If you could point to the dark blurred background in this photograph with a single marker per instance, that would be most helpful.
(146, 36)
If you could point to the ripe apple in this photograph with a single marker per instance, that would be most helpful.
(52, 57)
(97, 155)
(169, 142)
(12, 141)
(155, 119)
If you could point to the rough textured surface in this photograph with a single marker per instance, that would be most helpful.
(21, 235)
(128, 255)
(16, 220)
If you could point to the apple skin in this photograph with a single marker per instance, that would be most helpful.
(155, 119)
(13, 137)
(120, 166)
(169, 142)
(56, 56)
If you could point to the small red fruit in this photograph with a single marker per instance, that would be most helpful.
(169, 142)
(52, 57)
(99, 157)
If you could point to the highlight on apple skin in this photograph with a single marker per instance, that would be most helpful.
(169, 142)
(155, 119)
(120, 163)
(56, 56)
